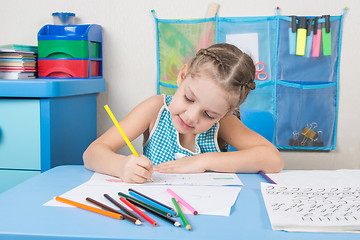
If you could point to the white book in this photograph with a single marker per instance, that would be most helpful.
(16, 75)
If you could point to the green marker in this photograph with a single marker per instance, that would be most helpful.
(326, 36)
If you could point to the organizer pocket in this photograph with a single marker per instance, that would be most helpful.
(306, 68)
(255, 36)
(305, 116)
(178, 42)
(262, 98)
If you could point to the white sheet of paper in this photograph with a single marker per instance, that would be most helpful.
(313, 209)
(246, 42)
(199, 179)
(207, 200)
(342, 177)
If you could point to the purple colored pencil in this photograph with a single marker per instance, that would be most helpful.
(266, 177)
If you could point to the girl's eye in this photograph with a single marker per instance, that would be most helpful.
(188, 99)
(208, 116)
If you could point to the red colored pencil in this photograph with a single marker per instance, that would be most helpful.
(138, 211)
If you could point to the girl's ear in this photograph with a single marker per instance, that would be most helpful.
(182, 74)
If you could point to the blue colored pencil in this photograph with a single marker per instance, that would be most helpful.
(153, 203)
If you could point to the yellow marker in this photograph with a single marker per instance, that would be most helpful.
(301, 36)
(122, 132)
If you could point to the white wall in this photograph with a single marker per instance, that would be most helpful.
(130, 54)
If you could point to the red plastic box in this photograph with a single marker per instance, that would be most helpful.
(67, 68)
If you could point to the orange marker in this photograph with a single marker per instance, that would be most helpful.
(90, 208)
(138, 211)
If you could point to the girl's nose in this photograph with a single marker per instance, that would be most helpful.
(192, 115)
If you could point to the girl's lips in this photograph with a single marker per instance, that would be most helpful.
(184, 124)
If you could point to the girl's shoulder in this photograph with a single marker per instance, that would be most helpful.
(150, 107)
(153, 104)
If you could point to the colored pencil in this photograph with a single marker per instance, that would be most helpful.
(124, 209)
(266, 177)
(138, 211)
(181, 214)
(182, 201)
(144, 203)
(90, 208)
(166, 218)
(152, 202)
(122, 132)
(125, 216)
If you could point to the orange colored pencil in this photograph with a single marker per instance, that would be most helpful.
(90, 208)
(138, 211)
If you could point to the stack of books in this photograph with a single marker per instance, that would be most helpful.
(18, 61)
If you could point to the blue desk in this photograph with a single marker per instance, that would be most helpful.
(22, 215)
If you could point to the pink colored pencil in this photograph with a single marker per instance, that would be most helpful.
(182, 201)
(138, 211)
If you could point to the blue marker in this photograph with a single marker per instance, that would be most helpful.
(292, 36)
(309, 38)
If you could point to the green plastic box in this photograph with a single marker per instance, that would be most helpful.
(67, 49)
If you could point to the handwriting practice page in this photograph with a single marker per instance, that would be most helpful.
(313, 209)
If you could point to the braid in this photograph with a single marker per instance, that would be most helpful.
(249, 85)
(211, 54)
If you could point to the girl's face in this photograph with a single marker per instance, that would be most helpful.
(197, 105)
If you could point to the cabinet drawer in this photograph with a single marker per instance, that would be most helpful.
(20, 133)
(10, 178)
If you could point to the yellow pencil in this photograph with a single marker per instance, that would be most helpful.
(122, 132)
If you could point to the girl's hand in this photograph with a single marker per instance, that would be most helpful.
(183, 165)
(136, 169)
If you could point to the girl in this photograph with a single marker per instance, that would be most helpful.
(193, 127)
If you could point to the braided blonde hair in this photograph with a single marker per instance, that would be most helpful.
(233, 69)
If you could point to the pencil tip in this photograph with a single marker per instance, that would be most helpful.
(196, 213)
(138, 222)
(188, 227)
(177, 224)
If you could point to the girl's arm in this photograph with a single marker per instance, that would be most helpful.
(254, 153)
(101, 155)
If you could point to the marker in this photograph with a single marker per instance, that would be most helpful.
(266, 177)
(122, 132)
(309, 38)
(326, 36)
(317, 38)
(292, 35)
(301, 36)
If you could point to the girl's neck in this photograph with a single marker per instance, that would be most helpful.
(187, 141)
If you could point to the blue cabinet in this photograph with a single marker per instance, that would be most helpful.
(45, 123)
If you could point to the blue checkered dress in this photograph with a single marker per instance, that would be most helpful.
(163, 144)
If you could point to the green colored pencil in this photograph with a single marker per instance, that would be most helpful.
(144, 203)
(181, 214)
